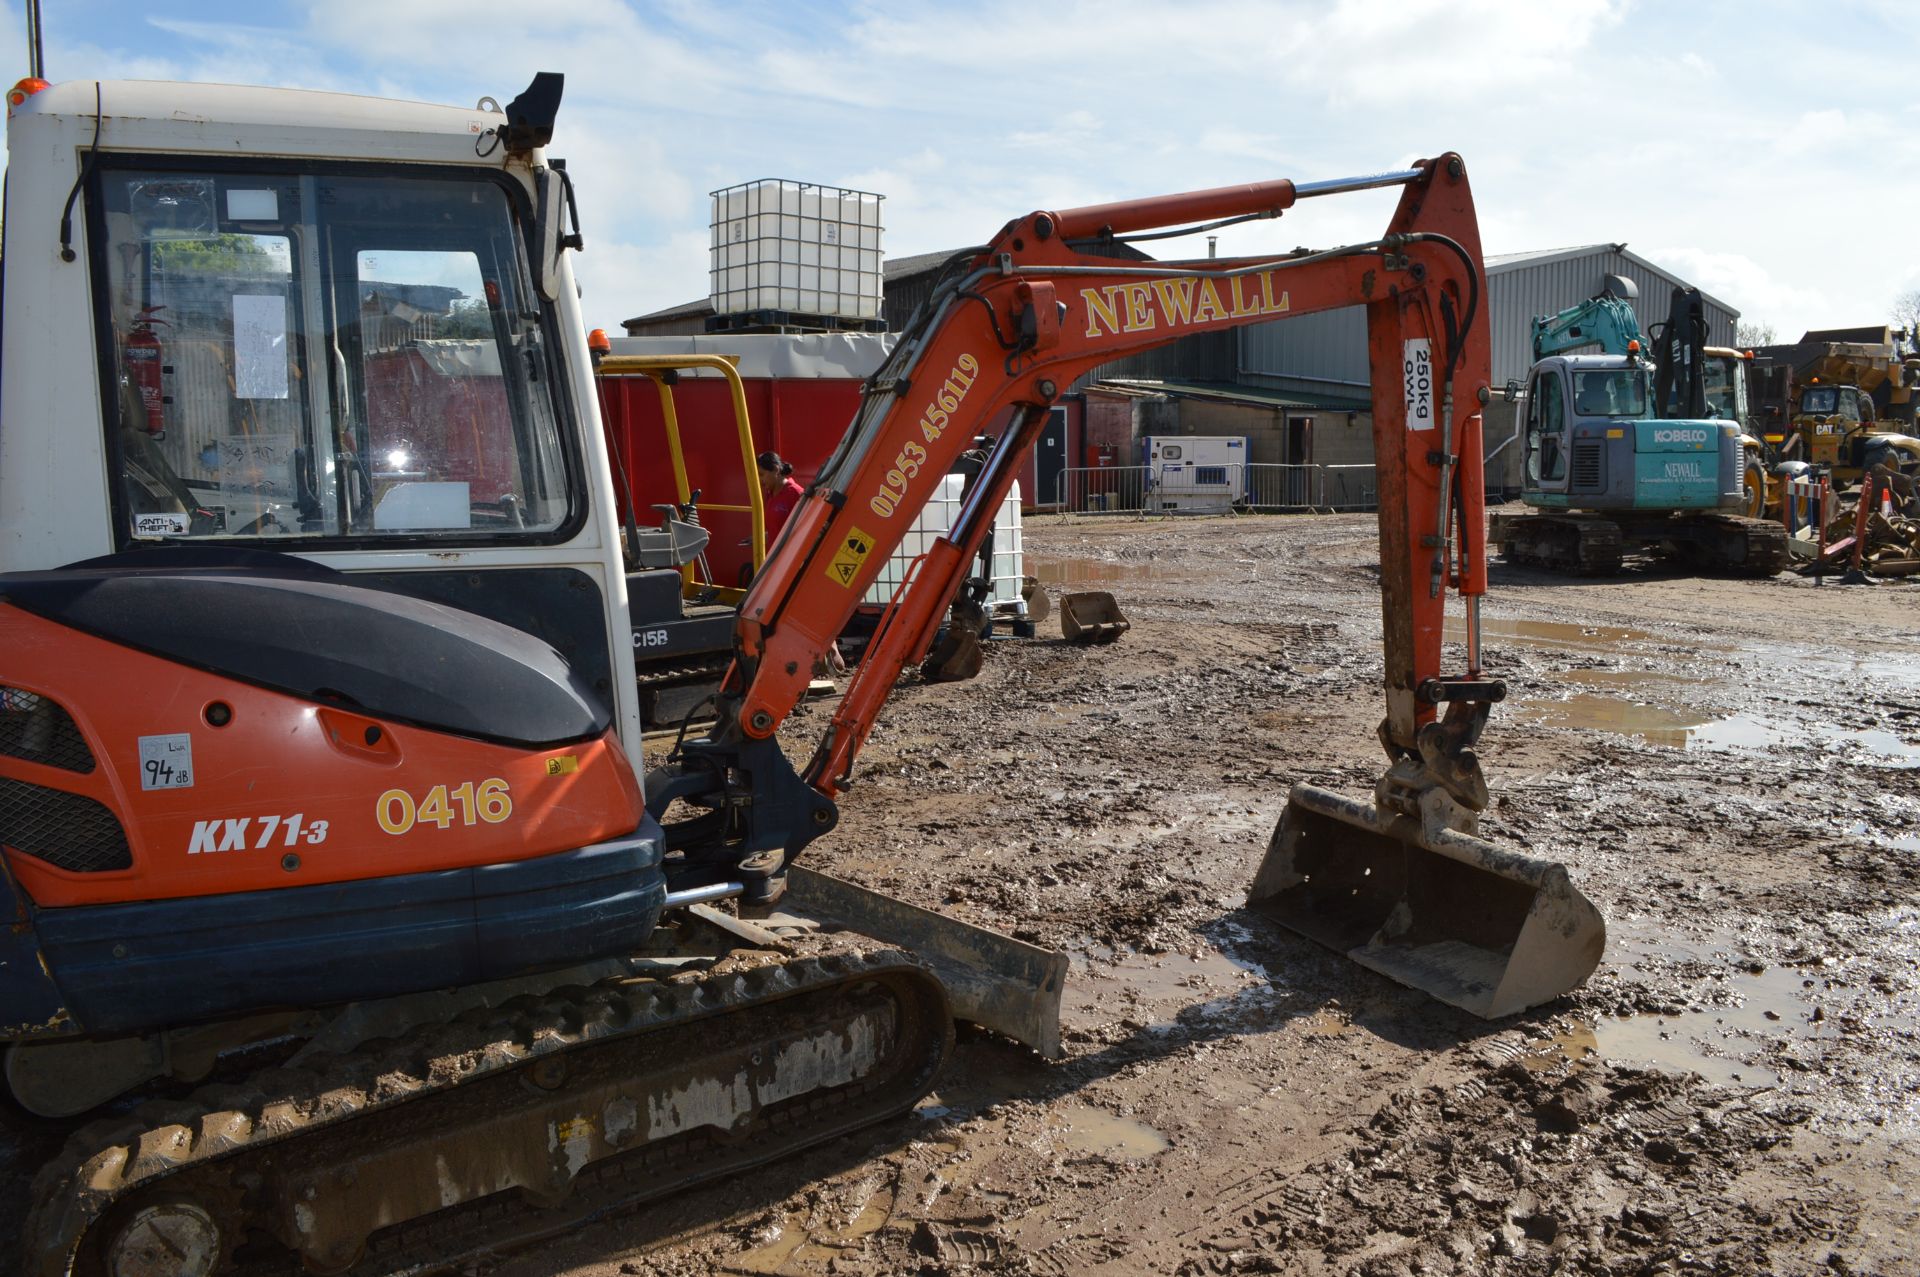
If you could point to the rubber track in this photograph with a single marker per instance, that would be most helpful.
(659, 676)
(106, 1160)
(1565, 543)
(1766, 552)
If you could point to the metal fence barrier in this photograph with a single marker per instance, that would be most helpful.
(1282, 489)
(1348, 488)
(1103, 490)
(1189, 488)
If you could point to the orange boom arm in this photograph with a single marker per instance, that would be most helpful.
(1010, 327)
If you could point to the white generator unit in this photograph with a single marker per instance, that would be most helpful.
(1009, 562)
(1199, 473)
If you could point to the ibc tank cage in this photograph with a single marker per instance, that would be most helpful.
(795, 255)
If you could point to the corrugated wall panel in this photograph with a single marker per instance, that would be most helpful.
(1332, 347)
(1547, 288)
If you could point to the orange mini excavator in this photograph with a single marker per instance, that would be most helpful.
(343, 934)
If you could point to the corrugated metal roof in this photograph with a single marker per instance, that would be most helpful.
(1331, 347)
(684, 310)
(1507, 261)
(1499, 263)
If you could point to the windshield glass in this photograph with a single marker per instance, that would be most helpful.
(1611, 393)
(326, 356)
(1722, 380)
(1821, 400)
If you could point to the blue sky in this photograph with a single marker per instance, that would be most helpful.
(1769, 152)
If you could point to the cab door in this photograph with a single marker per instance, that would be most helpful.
(1546, 430)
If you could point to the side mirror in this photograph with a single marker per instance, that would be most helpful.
(554, 211)
(1512, 392)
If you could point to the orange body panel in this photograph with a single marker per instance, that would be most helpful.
(289, 793)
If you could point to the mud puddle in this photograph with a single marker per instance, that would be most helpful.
(1882, 670)
(1745, 731)
(1629, 678)
(1769, 1013)
(1885, 838)
(1564, 636)
(1670, 728)
(1765, 731)
(1090, 1130)
(1149, 989)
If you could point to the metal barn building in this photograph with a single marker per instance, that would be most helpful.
(1328, 351)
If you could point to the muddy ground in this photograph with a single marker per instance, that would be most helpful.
(1730, 770)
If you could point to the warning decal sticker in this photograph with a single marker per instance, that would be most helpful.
(854, 548)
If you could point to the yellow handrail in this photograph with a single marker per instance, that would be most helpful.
(657, 369)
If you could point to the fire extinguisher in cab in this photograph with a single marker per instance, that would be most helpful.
(144, 370)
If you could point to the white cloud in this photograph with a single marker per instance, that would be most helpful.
(1741, 282)
(615, 275)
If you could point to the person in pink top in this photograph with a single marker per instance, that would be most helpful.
(780, 492)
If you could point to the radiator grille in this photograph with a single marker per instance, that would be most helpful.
(69, 831)
(38, 730)
(1589, 466)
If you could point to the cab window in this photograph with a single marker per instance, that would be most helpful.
(317, 356)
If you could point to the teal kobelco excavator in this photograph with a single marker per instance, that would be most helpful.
(1631, 448)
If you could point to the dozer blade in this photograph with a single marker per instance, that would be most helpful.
(1485, 929)
(992, 980)
(1092, 617)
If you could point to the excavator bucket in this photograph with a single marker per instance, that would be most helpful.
(1485, 929)
(1092, 617)
(1035, 596)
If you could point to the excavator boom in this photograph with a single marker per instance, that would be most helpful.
(1007, 330)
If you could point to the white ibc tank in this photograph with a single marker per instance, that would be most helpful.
(935, 520)
(796, 247)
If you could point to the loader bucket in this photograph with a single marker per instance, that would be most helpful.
(1092, 617)
(1485, 929)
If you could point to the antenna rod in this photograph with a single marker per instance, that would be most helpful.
(36, 64)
